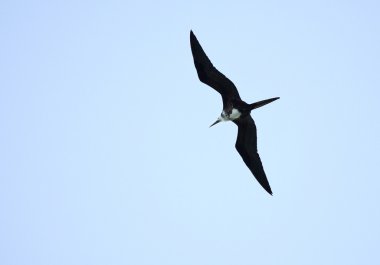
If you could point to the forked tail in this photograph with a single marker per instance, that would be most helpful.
(261, 103)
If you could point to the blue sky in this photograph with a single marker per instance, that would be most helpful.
(106, 156)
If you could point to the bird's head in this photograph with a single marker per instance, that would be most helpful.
(217, 121)
(222, 117)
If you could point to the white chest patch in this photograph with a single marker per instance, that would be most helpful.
(235, 114)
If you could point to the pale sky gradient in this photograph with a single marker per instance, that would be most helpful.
(106, 155)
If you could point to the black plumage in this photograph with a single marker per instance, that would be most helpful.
(246, 143)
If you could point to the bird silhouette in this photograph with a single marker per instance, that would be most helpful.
(234, 109)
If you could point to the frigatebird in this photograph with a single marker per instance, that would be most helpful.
(234, 109)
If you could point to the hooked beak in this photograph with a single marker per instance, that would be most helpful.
(217, 121)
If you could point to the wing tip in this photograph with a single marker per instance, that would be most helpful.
(192, 35)
(269, 190)
(193, 40)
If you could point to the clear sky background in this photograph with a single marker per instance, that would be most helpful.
(106, 155)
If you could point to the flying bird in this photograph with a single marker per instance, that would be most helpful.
(234, 109)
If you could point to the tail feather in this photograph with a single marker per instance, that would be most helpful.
(262, 103)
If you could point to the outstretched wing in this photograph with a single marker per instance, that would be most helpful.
(246, 145)
(209, 75)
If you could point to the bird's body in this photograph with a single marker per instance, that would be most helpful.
(234, 109)
(230, 116)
